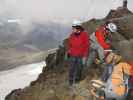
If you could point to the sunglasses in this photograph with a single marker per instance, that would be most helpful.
(77, 27)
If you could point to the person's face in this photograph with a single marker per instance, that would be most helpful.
(75, 30)
(106, 32)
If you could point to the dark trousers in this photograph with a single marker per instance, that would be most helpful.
(107, 72)
(75, 70)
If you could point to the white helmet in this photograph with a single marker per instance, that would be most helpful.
(112, 27)
(76, 23)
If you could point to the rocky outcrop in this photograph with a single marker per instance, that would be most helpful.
(52, 83)
(120, 12)
(123, 18)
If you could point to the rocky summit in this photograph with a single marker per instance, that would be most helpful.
(52, 83)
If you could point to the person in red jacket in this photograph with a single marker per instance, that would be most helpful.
(102, 37)
(101, 42)
(78, 49)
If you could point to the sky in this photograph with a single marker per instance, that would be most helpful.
(64, 10)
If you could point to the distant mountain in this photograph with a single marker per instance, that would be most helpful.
(16, 46)
(44, 36)
(10, 33)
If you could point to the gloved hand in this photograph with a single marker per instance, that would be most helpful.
(66, 57)
(84, 60)
(97, 61)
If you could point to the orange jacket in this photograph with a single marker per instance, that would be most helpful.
(101, 34)
(117, 77)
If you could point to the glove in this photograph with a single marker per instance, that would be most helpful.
(66, 57)
(97, 61)
(84, 60)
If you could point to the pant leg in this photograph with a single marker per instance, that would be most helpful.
(79, 68)
(71, 70)
(92, 54)
(91, 58)
(107, 72)
(100, 52)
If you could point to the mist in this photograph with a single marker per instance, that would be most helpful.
(27, 12)
(63, 10)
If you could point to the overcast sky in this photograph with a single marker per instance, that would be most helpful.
(59, 9)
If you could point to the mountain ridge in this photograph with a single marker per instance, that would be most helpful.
(52, 83)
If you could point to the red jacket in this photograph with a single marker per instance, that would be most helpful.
(78, 46)
(101, 35)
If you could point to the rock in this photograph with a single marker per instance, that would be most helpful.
(125, 26)
(14, 95)
(119, 12)
(125, 48)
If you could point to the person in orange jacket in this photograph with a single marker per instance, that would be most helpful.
(78, 49)
(116, 87)
(117, 83)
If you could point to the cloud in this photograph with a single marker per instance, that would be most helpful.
(39, 10)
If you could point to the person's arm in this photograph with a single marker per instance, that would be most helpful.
(126, 68)
(68, 46)
(86, 45)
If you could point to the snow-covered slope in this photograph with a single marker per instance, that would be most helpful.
(19, 77)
